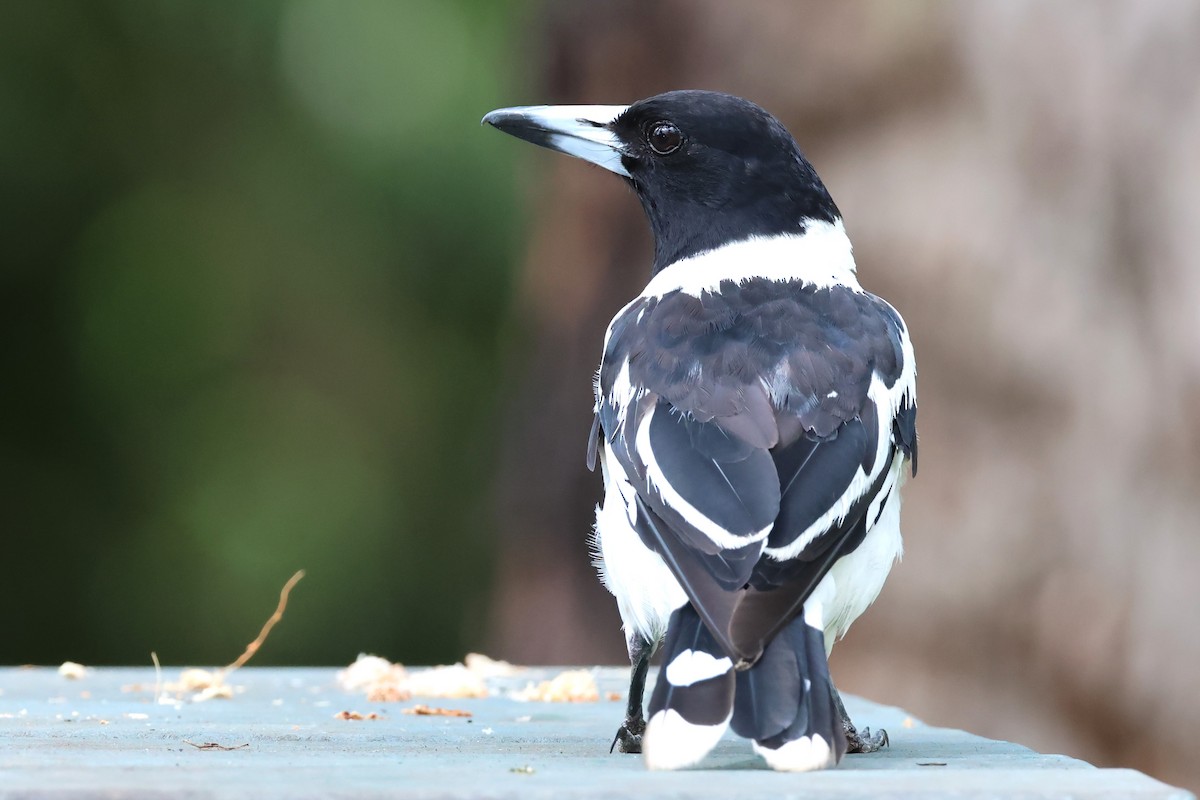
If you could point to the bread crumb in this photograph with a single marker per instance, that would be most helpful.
(454, 680)
(356, 715)
(422, 710)
(73, 671)
(572, 686)
(486, 667)
(383, 681)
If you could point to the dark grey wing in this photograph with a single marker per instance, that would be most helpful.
(744, 419)
(717, 494)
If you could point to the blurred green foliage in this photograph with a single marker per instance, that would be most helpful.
(256, 268)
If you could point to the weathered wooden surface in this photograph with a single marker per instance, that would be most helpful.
(95, 737)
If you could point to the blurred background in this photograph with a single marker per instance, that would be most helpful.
(271, 299)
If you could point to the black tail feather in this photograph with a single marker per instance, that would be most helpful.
(787, 697)
(703, 702)
(693, 697)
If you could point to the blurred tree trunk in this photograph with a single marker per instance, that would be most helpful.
(589, 249)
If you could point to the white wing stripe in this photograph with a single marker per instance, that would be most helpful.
(691, 515)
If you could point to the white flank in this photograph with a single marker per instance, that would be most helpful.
(671, 742)
(821, 256)
(800, 755)
(857, 578)
(692, 516)
(646, 591)
(693, 666)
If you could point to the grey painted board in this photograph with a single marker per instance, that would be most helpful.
(89, 738)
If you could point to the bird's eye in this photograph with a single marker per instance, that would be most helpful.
(664, 138)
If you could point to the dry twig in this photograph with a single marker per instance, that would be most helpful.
(216, 745)
(158, 682)
(252, 648)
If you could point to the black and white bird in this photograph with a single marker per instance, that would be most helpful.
(755, 415)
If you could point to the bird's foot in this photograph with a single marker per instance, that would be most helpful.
(864, 741)
(629, 736)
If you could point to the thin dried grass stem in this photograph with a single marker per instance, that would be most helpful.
(252, 648)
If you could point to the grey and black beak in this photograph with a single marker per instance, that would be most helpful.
(580, 131)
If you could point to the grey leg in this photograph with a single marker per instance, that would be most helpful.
(629, 735)
(859, 742)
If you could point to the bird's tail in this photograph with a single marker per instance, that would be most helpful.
(785, 701)
(693, 697)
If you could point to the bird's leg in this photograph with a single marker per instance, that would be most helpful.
(856, 741)
(629, 735)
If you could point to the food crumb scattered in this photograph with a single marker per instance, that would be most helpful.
(73, 671)
(356, 715)
(908, 722)
(454, 680)
(612, 697)
(571, 686)
(422, 710)
(383, 681)
(486, 667)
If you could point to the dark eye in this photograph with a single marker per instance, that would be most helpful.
(664, 138)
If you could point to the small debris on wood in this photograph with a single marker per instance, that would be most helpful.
(73, 671)
(422, 710)
(354, 715)
(571, 686)
(216, 745)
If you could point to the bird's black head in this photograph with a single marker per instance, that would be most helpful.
(709, 168)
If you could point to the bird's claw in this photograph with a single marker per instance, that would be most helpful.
(629, 737)
(865, 742)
